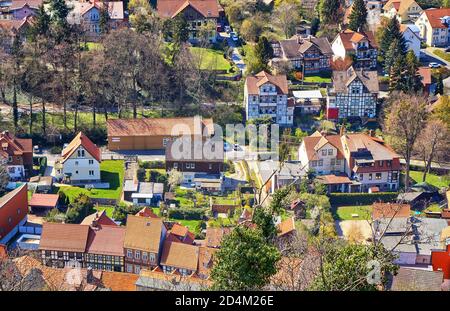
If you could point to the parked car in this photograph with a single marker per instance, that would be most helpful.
(36, 149)
(226, 146)
(434, 65)
(227, 29)
(447, 50)
(234, 36)
(236, 147)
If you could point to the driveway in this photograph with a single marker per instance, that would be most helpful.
(236, 57)
(427, 56)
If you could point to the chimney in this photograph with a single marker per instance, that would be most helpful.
(89, 275)
(343, 130)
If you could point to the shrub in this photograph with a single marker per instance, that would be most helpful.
(121, 212)
(141, 174)
(55, 150)
(152, 164)
(79, 209)
(188, 213)
(361, 198)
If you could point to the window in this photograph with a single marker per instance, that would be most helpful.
(10, 159)
(9, 219)
(137, 254)
(152, 257)
(324, 152)
(370, 176)
(81, 153)
(378, 176)
(91, 162)
(330, 151)
(380, 163)
(313, 163)
(394, 176)
(76, 163)
(129, 253)
(130, 268)
(192, 165)
(91, 173)
(76, 172)
(361, 176)
(144, 256)
(320, 163)
(210, 166)
(137, 269)
(389, 163)
(188, 165)
(175, 165)
(18, 211)
(332, 161)
(165, 141)
(338, 162)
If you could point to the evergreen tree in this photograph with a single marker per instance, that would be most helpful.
(390, 33)
(411, 77)
(393, 53)
(358, 16)
(104, 19)
(180, 31)
(395, 75)
(245, 261)
(59, 11)
(41, 23)
(263, 51)
(440, 85)
(328, 11)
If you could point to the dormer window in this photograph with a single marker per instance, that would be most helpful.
(81, 153)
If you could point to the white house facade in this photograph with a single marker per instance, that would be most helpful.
(265, 95)
(80, 161)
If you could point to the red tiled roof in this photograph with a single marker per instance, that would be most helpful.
(86, 143)
(179, 230)
(18, 4)
(15, 146)
(254, 82)
(388, 210)
(171, 8)
(312, 141)
(348, 36)
(180, 255)
(44, 200)
(64, 237)
(157, 126)
(425, 73)
(334, 179)
(100, 218)
(106, 240)
(119, 281)
(434, 16)
(146, 212)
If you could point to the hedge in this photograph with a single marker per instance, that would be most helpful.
(361, 198)
(187, 213)
(152, 164)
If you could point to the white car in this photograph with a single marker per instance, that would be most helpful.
(434, 65)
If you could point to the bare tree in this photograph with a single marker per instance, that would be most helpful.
(432, 143)
(287, 16)
(405, 119)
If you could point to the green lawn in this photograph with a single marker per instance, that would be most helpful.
(318, 79)
(432, 179)
(211, 59)
(345, 212)
(111, 171)
(442, 54)
(109, 209)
